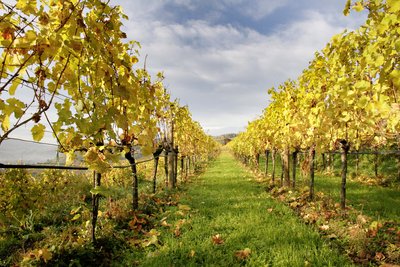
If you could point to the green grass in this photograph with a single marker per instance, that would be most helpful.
(381, 203)
(377, 202)
(225, 201)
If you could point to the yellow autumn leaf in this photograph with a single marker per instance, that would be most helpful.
(38, 132)
(393, 5)
(70, 158)
(45, 254)
(30, 36)
(91, 155)
(76, 217)
(346, 10)
(27, 6)
(14, 86)
(358, 7)
(243, 254)
(5, 125)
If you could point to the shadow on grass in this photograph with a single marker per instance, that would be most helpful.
(224, 202)
(375, 201)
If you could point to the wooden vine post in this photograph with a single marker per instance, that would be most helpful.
(398, 163)
(285, 167)
(171, 159)
(135, 191)
(95, 203)
(376, 158)
(345, 147)
(273, 157)
(176, 165)
(266, 161)
(282, 169)
(187, 166)
(183, 168)
(166, 152)
(357, 161)
(257, 158)
(171, 168)
(294, 165)
(156, 156)
(312, 171)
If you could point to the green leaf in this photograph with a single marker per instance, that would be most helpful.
(38, 132)
(76, 217)
(76, 210)
(14, 86)
(15, 106)
(101, 190)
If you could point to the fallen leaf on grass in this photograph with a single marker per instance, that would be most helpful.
(324, 227)
(183, 207)
(165, 224)
(180, 213)
(270, 210)
(153, 238)
(135, 242)
(177, 232)
(361, 219)
(332, 236)
(45, 254)
(243, 254)
(217, 239)
(153, 232)
(181, 222)
(76, 217)
(192, 253)
(294, 204)
(137, 223)
(379, 256)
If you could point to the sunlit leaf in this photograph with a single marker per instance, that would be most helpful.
(38, 132)
(76, 217)
(5, 124)
(393, 5)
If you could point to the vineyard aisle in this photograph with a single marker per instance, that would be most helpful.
(232, 221)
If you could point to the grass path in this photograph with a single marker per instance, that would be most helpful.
(225, 201)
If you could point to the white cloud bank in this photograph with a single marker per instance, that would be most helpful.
(223, 72)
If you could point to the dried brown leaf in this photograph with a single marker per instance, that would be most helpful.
(243, 254)
(217, 239)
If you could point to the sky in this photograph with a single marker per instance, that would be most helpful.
(221, 57)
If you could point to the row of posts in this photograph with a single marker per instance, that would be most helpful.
(171, 173)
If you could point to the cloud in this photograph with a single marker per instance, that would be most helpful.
(220, 57)
(223, 71)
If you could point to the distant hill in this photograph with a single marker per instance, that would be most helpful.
(225, 138)
(12, 151)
